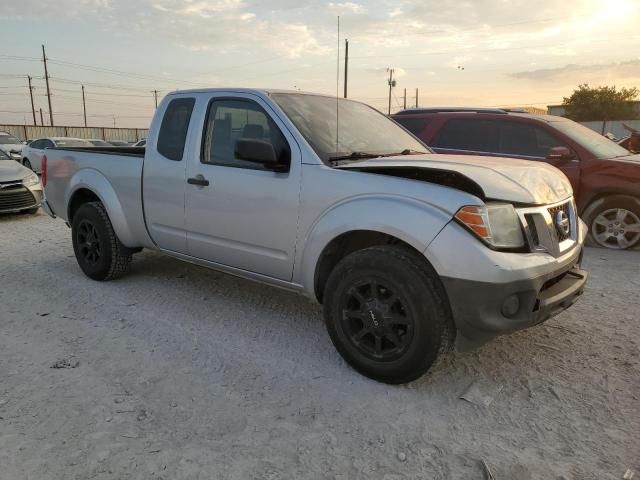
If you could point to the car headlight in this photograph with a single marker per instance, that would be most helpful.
(496, 224)
(31, 180)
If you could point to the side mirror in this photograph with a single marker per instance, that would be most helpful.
(259, 151)
(560, 154)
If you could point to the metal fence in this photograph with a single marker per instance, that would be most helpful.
(29, 132)
(614, 126)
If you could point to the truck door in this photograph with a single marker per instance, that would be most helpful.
(239, 213)
(164, 173)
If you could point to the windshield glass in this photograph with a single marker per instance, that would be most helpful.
(362, 129)
(4, 156)
(100, 143)
(72, 142)
(6, 139)
(601, 147)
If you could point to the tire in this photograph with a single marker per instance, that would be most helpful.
(27, 164)
(387, 314)
(98, 251)
(614, 222)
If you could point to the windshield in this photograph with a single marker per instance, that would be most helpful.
(100, 143)
(4, 156)
(6, 139)
(362, 129)
(72, 142)
(601, 147)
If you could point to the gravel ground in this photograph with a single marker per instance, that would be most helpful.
(178, 372)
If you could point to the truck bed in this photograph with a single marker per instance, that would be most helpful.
(113, 173)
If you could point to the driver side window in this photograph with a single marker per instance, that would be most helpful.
(231, 120)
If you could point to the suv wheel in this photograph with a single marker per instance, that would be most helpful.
(386, 313)
(614, 222)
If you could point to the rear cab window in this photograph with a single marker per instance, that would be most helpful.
(172, 136)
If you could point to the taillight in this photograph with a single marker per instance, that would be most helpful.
(43, 176)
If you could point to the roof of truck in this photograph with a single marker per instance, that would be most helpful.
(260, 91)
(409, 112)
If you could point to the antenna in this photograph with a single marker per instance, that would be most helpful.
(338, 89)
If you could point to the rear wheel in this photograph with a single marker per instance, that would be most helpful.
(98, 251)
(614, 222)
(27, 164)
(386, 313)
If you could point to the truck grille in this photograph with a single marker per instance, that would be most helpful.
(15, 197)
(553, 228)
(562, 233)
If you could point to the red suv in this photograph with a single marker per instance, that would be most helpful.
(604, 175)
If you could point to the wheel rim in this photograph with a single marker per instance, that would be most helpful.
(376, 322)
(88, 242)
(617, 228)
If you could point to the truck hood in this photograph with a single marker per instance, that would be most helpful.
(12, 147)
(10, 171)
(499, 178)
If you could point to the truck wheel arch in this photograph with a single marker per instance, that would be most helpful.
(347, 243)
(363, 222)
(91, 186)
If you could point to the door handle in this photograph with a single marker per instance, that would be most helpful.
(198, 180)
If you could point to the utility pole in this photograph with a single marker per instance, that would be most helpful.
(416, 98)
(41, 118)
(33, 108)
(46, 78)
(405, 99)
(392, 84)
(155, 96)
(84, 107)
(346, 65)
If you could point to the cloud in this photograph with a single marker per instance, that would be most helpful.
(345, 7)
(585, 73)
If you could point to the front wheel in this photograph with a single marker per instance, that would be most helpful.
(27, 164)
(386, 313)
(614, 222)
(98, 251)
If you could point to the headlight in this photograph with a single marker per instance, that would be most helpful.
(31, 180)
(497, 224)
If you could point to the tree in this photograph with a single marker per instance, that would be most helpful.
(600, 103)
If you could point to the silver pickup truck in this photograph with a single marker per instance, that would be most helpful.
(411, 253)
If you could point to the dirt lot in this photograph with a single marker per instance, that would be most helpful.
(185, 373)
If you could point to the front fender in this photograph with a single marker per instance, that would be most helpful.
(97, 183)
(412, 221)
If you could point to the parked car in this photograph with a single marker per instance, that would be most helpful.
(140, 143)
(409, 252)
(32, 154)
(119, 143)
(97, 142)
(11, 145)
(605, 177)
(20, 188)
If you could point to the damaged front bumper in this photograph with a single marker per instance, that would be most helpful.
(494, 293)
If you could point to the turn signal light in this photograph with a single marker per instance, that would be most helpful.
(476, 220)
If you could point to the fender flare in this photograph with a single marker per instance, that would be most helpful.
(92, 180)
(414, 222)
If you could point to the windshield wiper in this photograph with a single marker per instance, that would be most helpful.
(365, 155)
(355, 156)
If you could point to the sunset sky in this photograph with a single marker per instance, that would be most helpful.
(482, 53)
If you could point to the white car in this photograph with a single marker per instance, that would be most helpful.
(140, 143)
(10, 145)
(32, 154)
